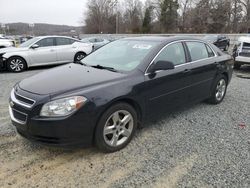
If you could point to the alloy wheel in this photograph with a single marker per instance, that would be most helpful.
(118, 128)
(16, 65)
(79, 57)
(220, 90)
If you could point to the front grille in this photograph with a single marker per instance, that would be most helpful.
(19, 116)
(24, 99)
(21, 100)
(244, 54)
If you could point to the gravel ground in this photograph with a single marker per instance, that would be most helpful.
(199, 146)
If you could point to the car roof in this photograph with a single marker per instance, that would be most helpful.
(48, 36)
(244, 39)
(162, 39)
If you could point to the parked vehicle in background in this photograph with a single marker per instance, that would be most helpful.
(220, 41)
(5, 43)
(40, 51)
(104, 97)
(241, 52)
(97, 42)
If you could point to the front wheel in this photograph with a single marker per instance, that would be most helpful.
(116, 127)
(16, 64)
(219, 90)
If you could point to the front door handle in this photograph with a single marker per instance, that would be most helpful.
(52, 50)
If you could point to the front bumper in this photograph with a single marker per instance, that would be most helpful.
(2, 63)
(241, 59)
(73, 131)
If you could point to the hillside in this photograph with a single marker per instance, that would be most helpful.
(41, 29)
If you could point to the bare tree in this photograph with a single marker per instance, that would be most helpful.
(133, 16)
(246, 9)
(100, 17)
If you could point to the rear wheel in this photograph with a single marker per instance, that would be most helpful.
(79, 56)
(116, 127)
(16, 64)
(219, 90)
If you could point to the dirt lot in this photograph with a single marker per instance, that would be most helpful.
(199, 146)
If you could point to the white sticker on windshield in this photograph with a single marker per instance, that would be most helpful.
(142, 46)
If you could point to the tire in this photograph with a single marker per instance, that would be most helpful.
(16, 64)
(79, 56)
(237, 66)
(117, 134)
(219, 90)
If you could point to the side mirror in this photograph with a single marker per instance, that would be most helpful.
(162, 65)
(34, 46)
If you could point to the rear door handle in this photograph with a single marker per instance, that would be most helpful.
(186, 71)
(52, 50)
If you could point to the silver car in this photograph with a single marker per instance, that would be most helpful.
(96, 41)
(40, 51)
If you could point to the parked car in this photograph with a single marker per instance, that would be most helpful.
(241, 52)
(97, 42)
(5, 43)
(104, 97)
(40, 51)
(220, 41)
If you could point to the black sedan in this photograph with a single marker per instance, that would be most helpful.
(103, 98)
(220, 41)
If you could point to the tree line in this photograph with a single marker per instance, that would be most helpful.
(167, 16)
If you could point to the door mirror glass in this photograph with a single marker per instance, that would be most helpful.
(162, 65)
(34, 46)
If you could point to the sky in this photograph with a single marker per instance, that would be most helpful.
(62, 12)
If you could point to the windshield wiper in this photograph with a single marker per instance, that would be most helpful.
(103, 67)
(81, 63)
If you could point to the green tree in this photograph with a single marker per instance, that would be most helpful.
(168, 15)
(146, 26)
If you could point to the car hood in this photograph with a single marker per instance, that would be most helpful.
(12, 49)
(68, 78)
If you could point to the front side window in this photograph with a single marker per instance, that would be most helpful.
(46, 42)
(197, 50)
(93, 40)
(173, 53)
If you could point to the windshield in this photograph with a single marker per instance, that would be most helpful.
(211, 37)
(122, 55)
(29, 42)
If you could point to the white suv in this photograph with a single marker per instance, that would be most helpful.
(43, 51)
(241, 52)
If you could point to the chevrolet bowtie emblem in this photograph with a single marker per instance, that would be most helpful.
(11, 103)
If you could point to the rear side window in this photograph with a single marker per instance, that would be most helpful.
(210, 51)
(174, 53)
(63, 41)
(46, 42)
(198, 50)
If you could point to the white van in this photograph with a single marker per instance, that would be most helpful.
(241, 52)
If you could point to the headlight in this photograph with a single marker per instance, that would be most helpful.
(62, 107)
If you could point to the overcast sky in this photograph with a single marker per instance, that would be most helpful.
(68, 12)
